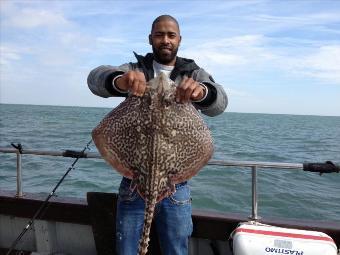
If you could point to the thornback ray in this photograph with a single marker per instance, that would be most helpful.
(155, 142)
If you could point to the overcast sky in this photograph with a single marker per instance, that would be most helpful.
(270, 56)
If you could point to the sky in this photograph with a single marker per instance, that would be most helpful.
(280, 57)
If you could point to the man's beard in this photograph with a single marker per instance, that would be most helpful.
(162, 58)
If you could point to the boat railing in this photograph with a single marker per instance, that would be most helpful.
(327, 167)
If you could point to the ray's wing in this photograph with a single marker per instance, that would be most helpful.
(118, 137)
(187, 143)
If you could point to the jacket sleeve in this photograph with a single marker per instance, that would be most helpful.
(100, 80)
(216, 101)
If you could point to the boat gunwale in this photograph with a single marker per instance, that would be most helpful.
(207, 224)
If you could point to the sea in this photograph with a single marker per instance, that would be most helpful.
(283, 193)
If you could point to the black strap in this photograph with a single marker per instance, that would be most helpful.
(327, 167)
(18, 147)
(74, 154)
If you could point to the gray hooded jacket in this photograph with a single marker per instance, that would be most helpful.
(100, 81)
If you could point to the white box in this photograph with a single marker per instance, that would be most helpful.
(258, 239)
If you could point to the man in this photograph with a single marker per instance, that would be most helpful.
(172, 214)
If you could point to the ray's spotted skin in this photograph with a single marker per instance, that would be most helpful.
(156, 142)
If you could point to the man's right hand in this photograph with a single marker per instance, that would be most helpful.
(132, 81)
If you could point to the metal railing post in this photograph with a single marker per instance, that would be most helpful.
(19, 175)
(254, 215)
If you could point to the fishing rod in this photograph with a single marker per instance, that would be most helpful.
(45, 203)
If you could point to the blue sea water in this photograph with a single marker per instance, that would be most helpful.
(237, 136)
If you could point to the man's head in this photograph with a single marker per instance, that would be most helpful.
(165, 39)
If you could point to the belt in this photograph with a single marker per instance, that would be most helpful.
(128, 181)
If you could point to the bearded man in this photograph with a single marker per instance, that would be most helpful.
(196, 86)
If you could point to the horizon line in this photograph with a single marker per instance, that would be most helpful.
(106, 107)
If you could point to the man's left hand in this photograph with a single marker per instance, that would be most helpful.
(189, 89)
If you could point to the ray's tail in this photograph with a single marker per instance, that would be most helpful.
(148, 216)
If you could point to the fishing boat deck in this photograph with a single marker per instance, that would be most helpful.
(95, 219)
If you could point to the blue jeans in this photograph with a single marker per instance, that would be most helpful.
(172, 218)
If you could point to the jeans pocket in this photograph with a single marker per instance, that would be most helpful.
(181, 196)
(125, 193)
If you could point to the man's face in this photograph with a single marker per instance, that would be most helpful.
(165, 40)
